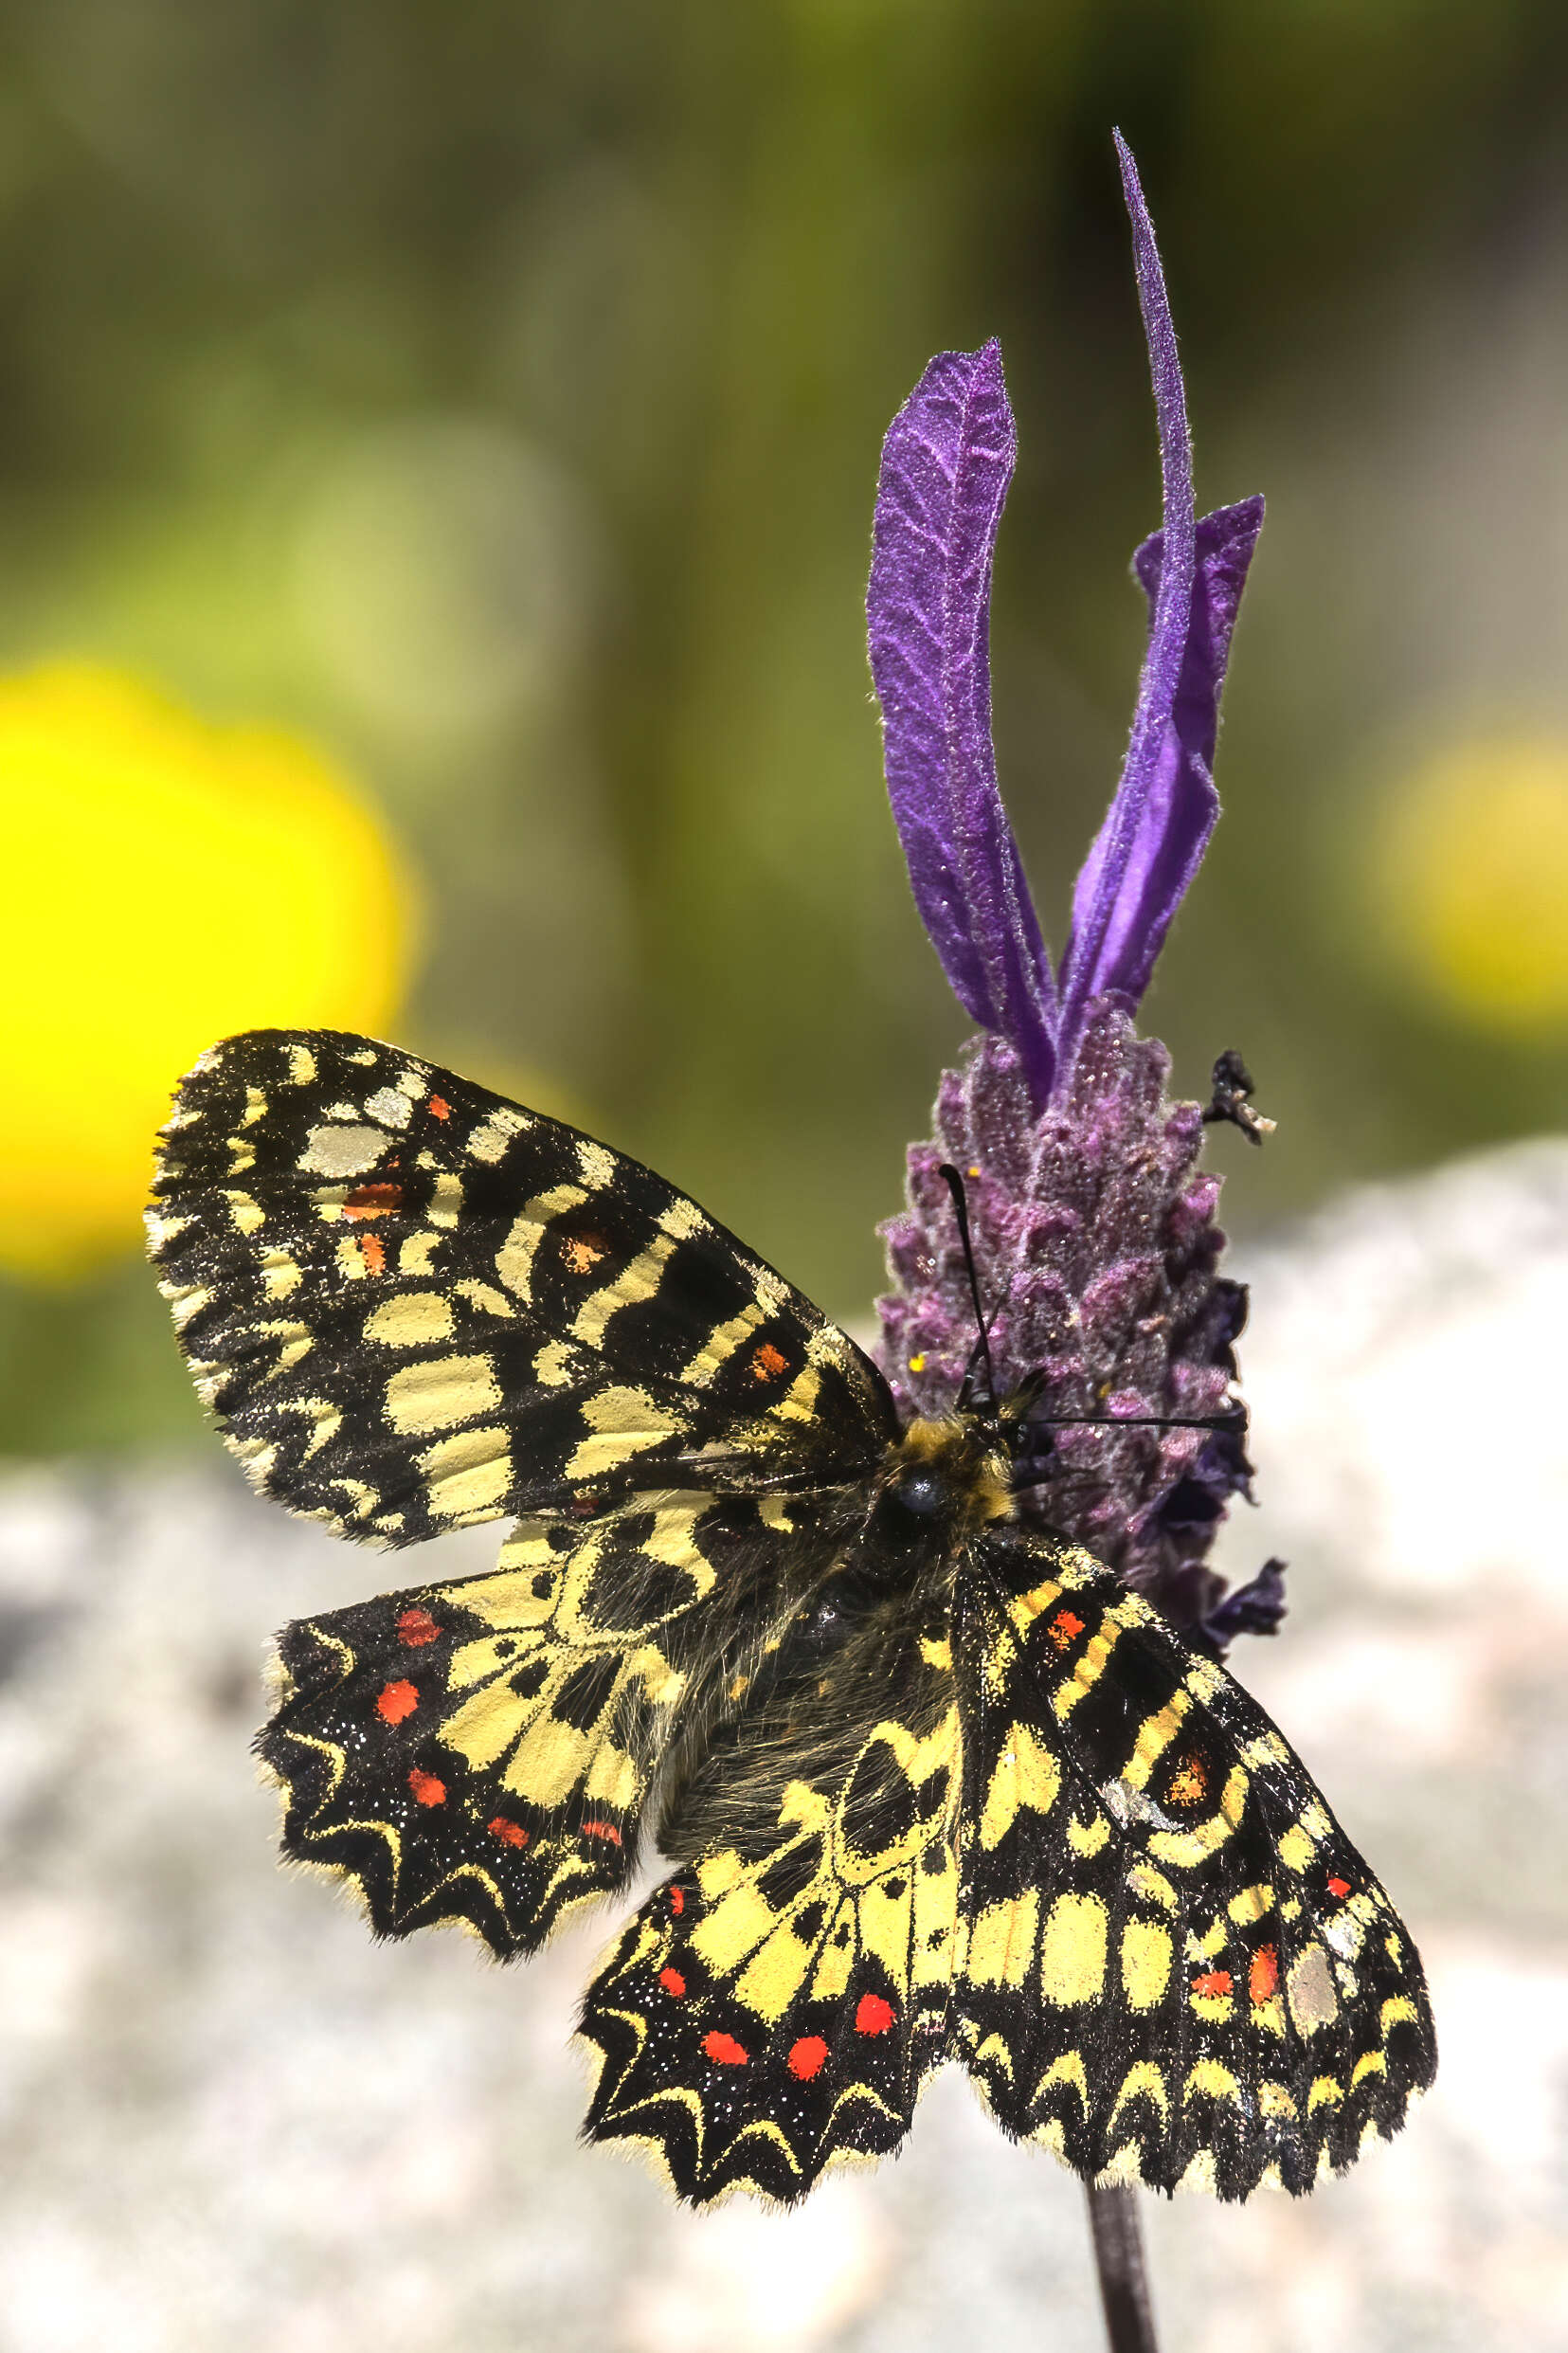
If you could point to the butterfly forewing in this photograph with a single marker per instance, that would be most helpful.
(1176, 1969)
(414, 1305)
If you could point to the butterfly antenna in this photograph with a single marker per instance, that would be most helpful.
(1233, 1418)
(982, 1346)
(1037, 1442)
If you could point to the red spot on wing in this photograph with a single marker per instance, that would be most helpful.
(511, 1831)
(768, 1362)
(397, 1701)
(1339, 1887)
(372, 1201)
(583, 1252)
(601, 1830)
(374, 1255)
(427, 1788)
(1213, 1983)
(725, 2050)
(1064, 1627)
(439, 1108)
(873, 2016)
(1189, 1782)
(416, 1627)
(1263, 1976)
(807, 2057)
(672, 1981)
(677, 1901)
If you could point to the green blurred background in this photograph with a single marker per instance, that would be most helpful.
(489, 398)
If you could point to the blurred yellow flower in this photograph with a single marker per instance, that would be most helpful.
(165, 883)
(1471, 882)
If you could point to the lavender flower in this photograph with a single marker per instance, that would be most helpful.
(1093, 1231)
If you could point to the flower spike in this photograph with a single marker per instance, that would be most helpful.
(1092, 1229)
(946, 466)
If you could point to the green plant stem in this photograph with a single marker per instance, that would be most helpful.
(1119, 2259)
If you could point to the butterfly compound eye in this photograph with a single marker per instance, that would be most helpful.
(923, 1492)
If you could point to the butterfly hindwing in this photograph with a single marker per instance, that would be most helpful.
(415, 1306)
(774, 2008)
(480, 1750)
(1176, 1969)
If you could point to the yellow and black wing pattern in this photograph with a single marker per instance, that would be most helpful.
(774, 2008)
(414, 1305)
(1176, 1968)
(1049, 1839)
(480, 1752)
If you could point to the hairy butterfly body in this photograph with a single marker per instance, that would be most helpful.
(934, 1785)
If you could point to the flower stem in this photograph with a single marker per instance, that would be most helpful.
(1119, 2259)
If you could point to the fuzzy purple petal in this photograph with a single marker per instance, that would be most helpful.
(1148, 849)
(1225, 542)
(1178, 796)
(946, 466)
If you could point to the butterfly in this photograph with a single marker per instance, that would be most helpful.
(930, 1785)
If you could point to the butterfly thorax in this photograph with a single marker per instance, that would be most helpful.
(843, 1648)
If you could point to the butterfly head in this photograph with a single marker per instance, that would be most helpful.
(946, 1478)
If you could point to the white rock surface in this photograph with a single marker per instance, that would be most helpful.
(228, 2120)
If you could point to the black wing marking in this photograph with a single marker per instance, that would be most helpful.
(415, 1306)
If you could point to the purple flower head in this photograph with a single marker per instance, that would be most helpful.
(946, 466)
(1093, 1231)
(1096, 1247)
